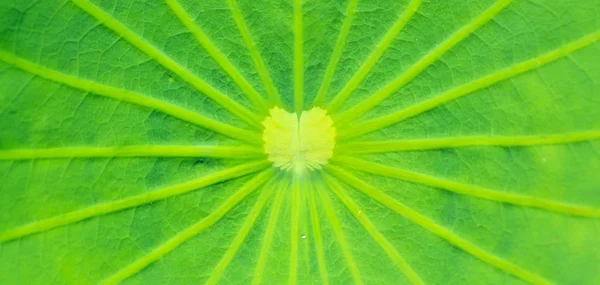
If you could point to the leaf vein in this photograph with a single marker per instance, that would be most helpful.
(422, 64)
(339, 234)
(457, 142)
(469, 88)
(130, 202)
(436, 229)
(130, 97)
(337, 53)
(239, 152)
(269, 234)
(240, 236)
(218, 56)
(380, 49)
(263, 72)
(168, 63)
(470, 190)
(298, 57)
(191, 231)
(399, 261)
(316, 229)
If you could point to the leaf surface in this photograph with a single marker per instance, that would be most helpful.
(467, 145)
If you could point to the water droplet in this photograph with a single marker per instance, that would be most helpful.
(303, 236)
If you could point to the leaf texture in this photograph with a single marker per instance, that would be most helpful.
(467, 148)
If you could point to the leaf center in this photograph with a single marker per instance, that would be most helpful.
(298, 142)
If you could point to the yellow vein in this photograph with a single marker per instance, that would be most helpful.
(269, 233)
(470, 190)
(241, 236)
(160, 57)
(294, 230)
(263, 72)
(337, 53)
(218, 56)
(191, 231)
(133, 151)
(339, 235)
(423, 63)
(304, 226)
(425, 144)
(298, 57)
(466, 89)
(316, 229)
(381, 48)
(130, 97)
(399, 261)
(130, 202)
(436, 229)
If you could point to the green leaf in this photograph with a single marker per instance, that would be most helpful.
(467, 144)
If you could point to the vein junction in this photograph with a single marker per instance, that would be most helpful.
(298, 142)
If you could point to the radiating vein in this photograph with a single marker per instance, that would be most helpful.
(436, 229)
(439, 143)
(133, 151)
(263, 72)
(316, 230)
(241, 235)
(349, 203)
(337, 53)
(160, 57)
(422, 64)
(269, 233)
(191, 231)
(304, 227)
(130, 97)
(372, 59)
(339, 235)
(218, 56)
(294, 236)
(470, 190)
(298, 57)
(133, 201)
(469, 88)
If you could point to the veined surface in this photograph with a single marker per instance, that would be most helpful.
(467, 143)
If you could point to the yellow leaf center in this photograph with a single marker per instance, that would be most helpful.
(299, 143)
